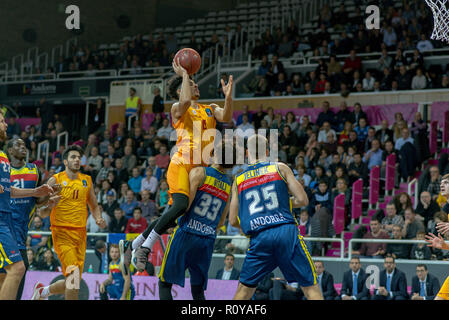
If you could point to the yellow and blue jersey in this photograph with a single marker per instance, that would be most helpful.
(26, 177)
(207, 208)
(116, 288)
(264, 200)
(5, 181)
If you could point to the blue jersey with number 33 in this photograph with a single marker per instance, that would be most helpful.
(208, 206)
(264, 201)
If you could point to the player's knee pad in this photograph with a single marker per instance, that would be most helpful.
(165, 290)
(197, 292)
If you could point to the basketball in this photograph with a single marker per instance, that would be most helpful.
(189, 59)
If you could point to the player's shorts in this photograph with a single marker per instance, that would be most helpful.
(115, 292)
(178, 179)
(444, 290)
(281, 246)
(9, 250)
(187, 251)
(70, 246)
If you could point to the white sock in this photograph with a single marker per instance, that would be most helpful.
(137, 242)
(151, 240)
(45, 292)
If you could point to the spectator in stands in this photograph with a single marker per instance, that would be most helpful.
(354, 282)
(13, 130)
(104, 171)
(373, 249)
(352, 64)
(358, 113)
(390, 38)
(94, 162)
(393, 283)
(111, 204)
(247, 129)
(374, 156)
(424, 44)
(129, 160)
(91, 224)
(405, 137)
(166, 130)
(129, 205)
(425, 286)
(121, 171)
(391, 219)
(326, 129)
(384, 61)
(259, 116)
(343, 116)
(326, 115)
(357, 170)
(398, 250)
(433, 185)
(418, 132)
(402, 201)
(163, 158)
(148, 207)
(149, 183)
(135, 182)
(133, 104)
(419, 81)
(384, 133)
(162, 196)
(37, 241)
(321, 226)
(158, 101)
(48, 262)
(427, 207)
(403, 78)
(118, 222)
(325, 281)
(228, 272)
(137, 224)
(420, 251)
(368, 82)
(321, 198)
(411, 224)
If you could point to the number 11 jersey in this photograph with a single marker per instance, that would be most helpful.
(264, 200)
(71, 210)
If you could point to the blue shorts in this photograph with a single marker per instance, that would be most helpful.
(9, 250)
(115, 292)
(282, 247)
(187, 251)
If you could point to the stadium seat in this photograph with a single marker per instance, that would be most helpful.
(371, 212)
(365, 220)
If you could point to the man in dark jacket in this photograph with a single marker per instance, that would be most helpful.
(158, 101)
(358, 169)
(326, 281)
(426, 207)
(228, 272)
(325, 115)
(118, 222)
(353, 286)
(424, 285)
(392, 282)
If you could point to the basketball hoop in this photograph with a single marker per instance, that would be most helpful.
(440, 10)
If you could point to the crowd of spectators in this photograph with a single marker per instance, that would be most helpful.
(402, 29)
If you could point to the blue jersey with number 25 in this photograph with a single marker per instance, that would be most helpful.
(264, 201)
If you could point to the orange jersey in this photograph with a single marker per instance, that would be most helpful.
(190, 129)
(71, 210)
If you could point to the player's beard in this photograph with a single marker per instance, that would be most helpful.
(3, 135)
(74, 169)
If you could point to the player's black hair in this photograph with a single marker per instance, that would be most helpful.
(10, 143)
(173, 86)
(73, 147)
(422, 265)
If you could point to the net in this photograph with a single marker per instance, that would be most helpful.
(440, 11)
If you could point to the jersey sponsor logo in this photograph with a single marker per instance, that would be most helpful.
(84, 183)
(64, 183)
(200, 227)
(208, 112)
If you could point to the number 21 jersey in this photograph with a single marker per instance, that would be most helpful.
(264, 200)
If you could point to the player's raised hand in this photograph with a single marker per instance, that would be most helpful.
(179, 70)
(43, 190)
(101, 223)
(227, 88)
(434, 241)
(442, 227)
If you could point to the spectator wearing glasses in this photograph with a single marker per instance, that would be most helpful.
(425, 286)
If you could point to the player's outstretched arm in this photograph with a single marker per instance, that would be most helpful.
(185, 97)
(436, 242)
(42, 191)
(234, 207)
(196, 179)
(225, 114)
(300, 196)
(94, 209)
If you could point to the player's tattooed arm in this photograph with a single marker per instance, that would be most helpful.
(225, 114)
(234, 207)
(196, 179)
(300, 196)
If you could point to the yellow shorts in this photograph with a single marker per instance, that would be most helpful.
(178, 179)
(444, 290)
(70, 246)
